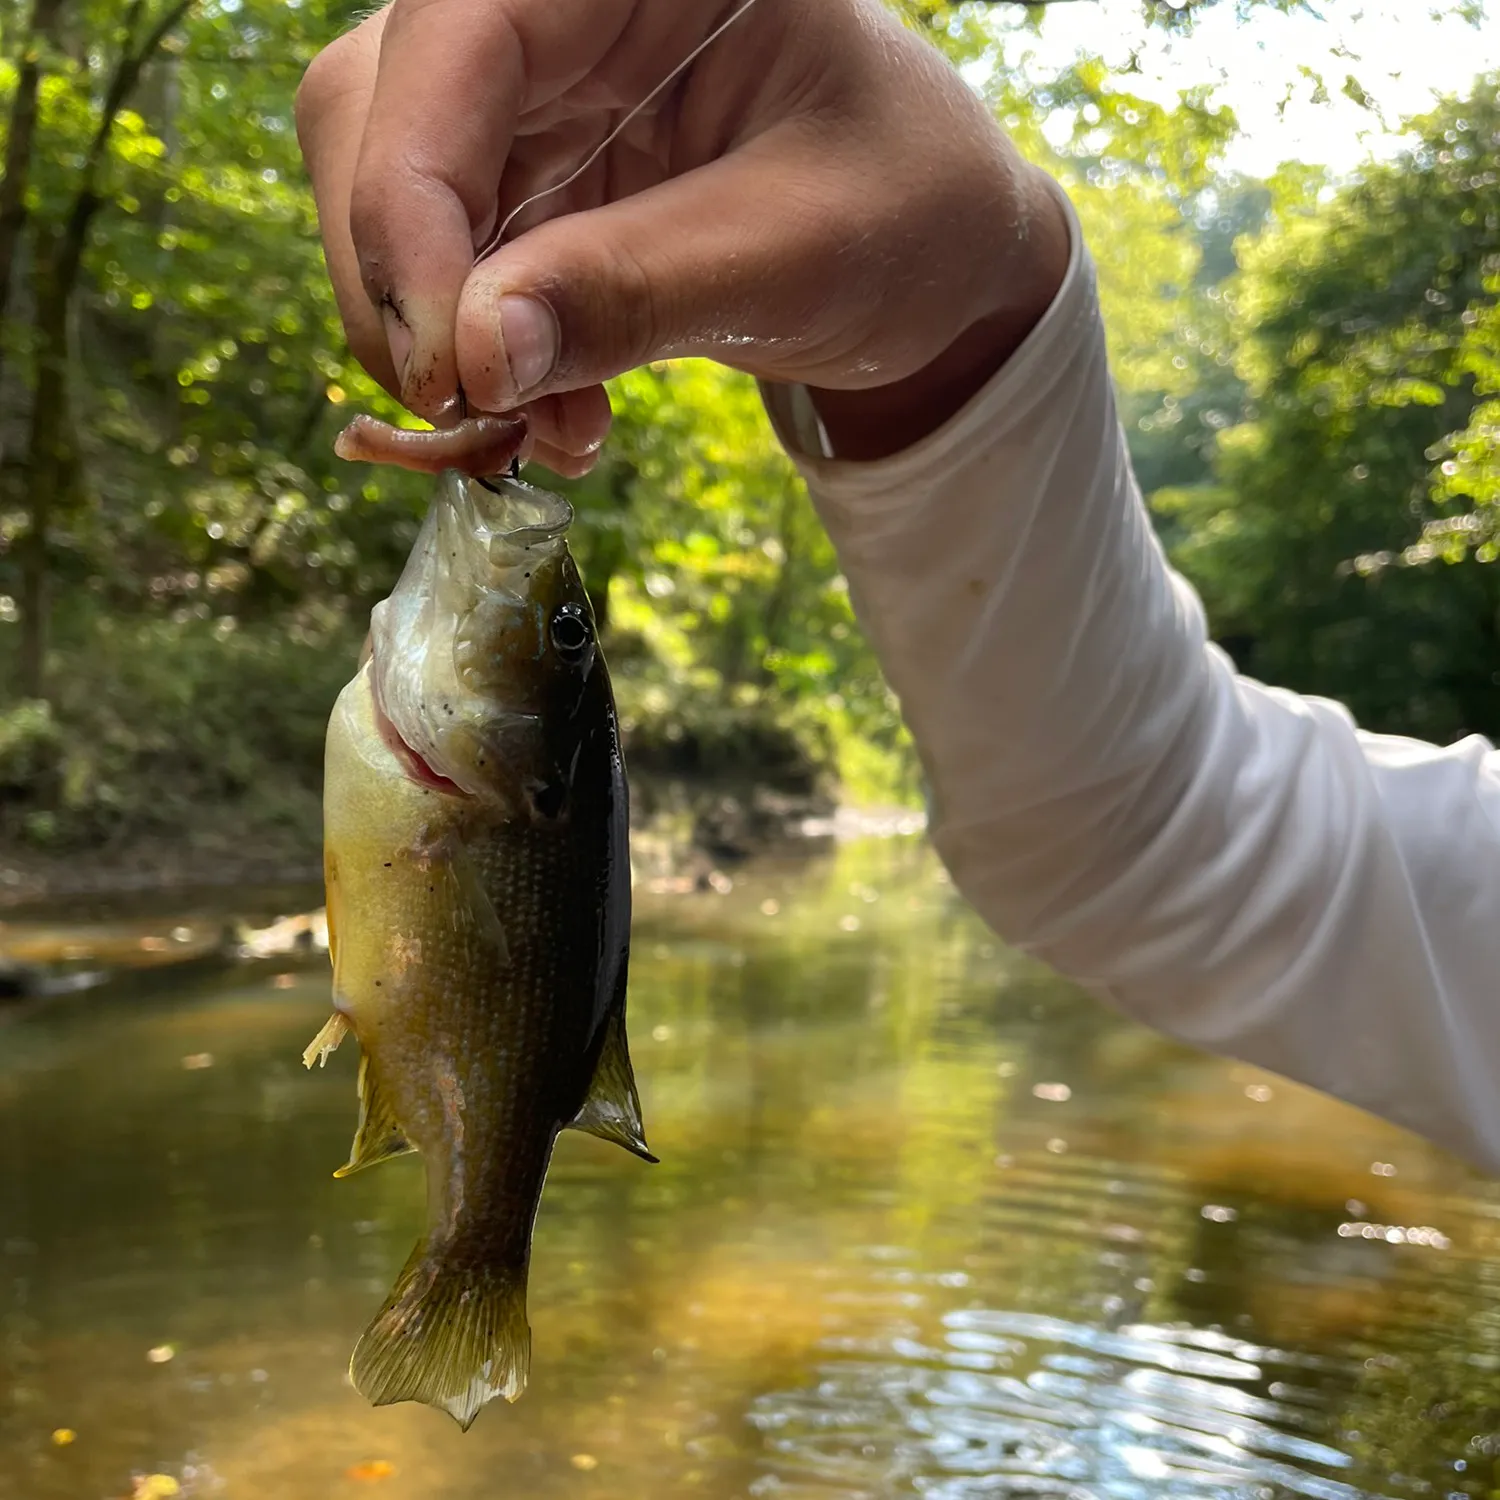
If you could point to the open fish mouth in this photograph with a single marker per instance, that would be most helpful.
(436, 667)
(509, 517)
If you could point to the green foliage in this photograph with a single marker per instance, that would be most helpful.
(1363, 322)
(216, 298)
(31, 748)
(1469, 471)
(1309, 374)
(156, 721)
(961, 28)
(719, 587)
(1142, 178)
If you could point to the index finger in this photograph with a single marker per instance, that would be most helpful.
(448, 92)
(333, 104)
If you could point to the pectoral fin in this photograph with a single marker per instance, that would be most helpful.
(380, 1135)
(470, 901)
(612, 1110)
(335, 1029)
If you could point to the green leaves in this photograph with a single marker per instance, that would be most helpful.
(716, 575)
(1310, 379)
(1364, 327)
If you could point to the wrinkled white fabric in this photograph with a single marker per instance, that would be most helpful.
(1230, 863)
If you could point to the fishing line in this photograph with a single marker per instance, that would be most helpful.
(496, 239)
(593, 156)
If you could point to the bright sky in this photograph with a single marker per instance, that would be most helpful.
(1398, 52)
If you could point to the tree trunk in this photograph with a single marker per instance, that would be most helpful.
(47, 469)
(41, 32)
(59, 261)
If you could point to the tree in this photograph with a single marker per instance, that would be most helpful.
(38, 36)
(169, 265)
(1467, 483)
(75, 105)
(166, 280)
(1361, 317)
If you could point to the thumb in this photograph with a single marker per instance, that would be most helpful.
(747, 260)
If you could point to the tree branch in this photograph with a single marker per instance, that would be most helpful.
(126, 75)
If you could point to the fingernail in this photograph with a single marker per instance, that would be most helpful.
(528, 338)
(398, 336)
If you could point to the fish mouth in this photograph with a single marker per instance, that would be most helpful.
(479, 550)
(413, 765)
(508, 517)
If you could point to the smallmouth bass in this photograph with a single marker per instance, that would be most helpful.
(478, 883)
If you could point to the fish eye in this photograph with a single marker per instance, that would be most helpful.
(572, 635)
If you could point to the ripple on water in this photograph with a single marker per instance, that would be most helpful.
(1139, 1411)
(957, 1398)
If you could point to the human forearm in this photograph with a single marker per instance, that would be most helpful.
(1232, 864)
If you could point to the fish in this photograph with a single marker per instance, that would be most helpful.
(476, 860)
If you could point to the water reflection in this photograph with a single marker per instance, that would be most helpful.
(927, 1223)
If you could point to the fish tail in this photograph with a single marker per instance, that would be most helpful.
(452, 1334)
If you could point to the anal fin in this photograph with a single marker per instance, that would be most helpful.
(380, 1135)
(612, 1110)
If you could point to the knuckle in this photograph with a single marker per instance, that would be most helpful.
(626, 311)
(325, 82)
(609, 312)
(640, 331)
(369, 229)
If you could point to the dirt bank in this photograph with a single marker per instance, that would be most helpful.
(681, 829)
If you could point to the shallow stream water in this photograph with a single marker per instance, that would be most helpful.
(928, 1222)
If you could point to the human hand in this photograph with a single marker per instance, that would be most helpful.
(818, 198)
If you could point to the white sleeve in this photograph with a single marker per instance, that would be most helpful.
(1232, 864)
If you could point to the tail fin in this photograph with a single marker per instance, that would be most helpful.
(452, 1334)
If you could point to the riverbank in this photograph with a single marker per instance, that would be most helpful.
(147, 913)
(683, 830)
(176, 756)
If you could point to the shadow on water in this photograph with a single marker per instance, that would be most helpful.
(927, 1223)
